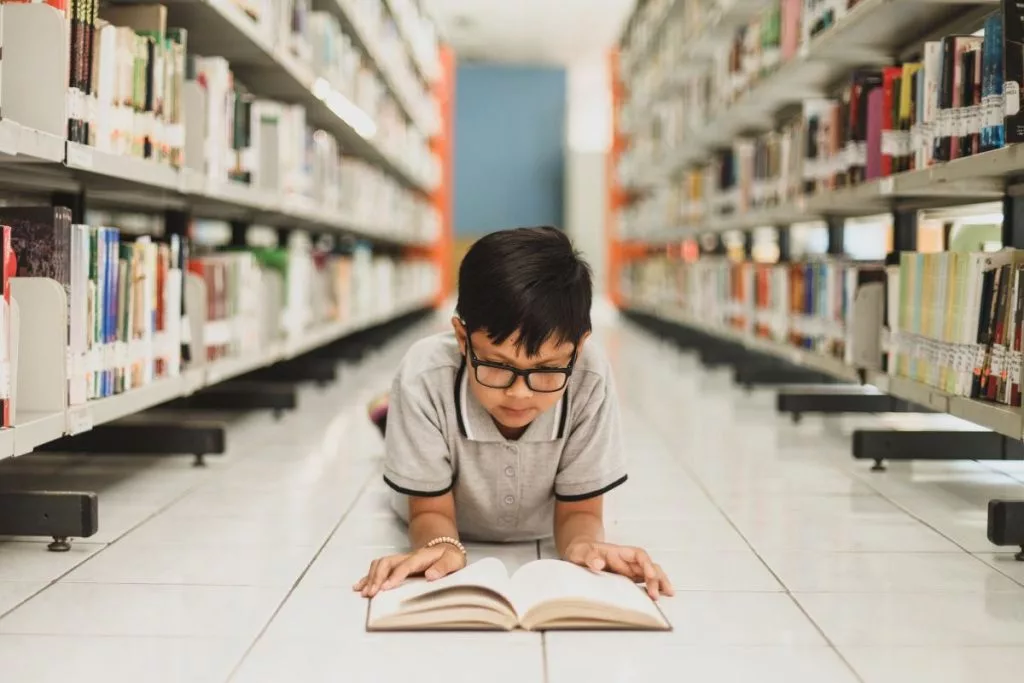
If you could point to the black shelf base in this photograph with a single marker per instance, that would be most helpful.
(142, 436)
(881, 445)
(838, 399)
(241, 396)
(322, 371)
(60, 515)
(1006, 524)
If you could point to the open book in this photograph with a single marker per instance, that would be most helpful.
(541, 595)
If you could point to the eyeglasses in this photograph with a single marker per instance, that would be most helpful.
(501, 376)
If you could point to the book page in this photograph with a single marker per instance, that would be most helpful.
(488, 573)
(543, 581)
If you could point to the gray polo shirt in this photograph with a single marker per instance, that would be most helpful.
(439, 439)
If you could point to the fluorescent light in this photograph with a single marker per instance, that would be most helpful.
(348, 112)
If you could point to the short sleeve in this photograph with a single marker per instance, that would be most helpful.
(592, 462)
(417, 461)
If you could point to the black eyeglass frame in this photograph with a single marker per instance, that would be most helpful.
(517, 372)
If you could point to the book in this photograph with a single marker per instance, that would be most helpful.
(541, 595)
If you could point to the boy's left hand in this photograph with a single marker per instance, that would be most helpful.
(631, 562)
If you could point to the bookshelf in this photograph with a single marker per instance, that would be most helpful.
(292, 179)
(823, 114)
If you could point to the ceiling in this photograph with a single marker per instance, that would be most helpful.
(530, 31)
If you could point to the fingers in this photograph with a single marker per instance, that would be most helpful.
(617, 564)
(363, 584)
(449, 562)
(640, 567)
(650, 574)
(411, 564)
(588, 555)
(595, 559)
(666, 585)
(379, 571)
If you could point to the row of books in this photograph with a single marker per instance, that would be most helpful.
(951, 320)
(810, 305)
(772, 37)
(944, 103)
(315, 38)
(380, 22)
(257, 296)
(126, 301)
(270, 145)
(124, 296)
(956, 322)
(135, 88)
(883, 121)
(947, 105)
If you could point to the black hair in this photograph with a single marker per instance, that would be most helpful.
(526, 280)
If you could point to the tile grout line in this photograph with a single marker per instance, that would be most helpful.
(702, 486)
(344, 515)
(70, 469)
(865, 479)
(298, 580)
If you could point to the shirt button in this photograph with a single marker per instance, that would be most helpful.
(509, 471)
(512, 449)
(509, 500)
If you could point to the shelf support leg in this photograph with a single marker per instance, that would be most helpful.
(785, 250)
(74, 201)
(904, 231)
(836, 232)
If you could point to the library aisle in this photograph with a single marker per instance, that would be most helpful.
(792, 561)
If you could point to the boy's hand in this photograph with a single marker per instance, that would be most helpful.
(632, 562)
(387, 572)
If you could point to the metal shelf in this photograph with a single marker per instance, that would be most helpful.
(421, 61)
(34, 429)
(999, 418)
(968, 180)
(33, 161)
(385, 67)
(871, 34)
(220, 28)
(800, 357)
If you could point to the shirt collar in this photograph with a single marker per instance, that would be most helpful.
(476, 424)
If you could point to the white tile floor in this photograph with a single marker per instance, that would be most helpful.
(793, 562)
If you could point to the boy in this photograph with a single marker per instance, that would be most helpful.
(507, 429)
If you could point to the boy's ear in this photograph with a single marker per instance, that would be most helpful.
(460, 334)
(583, 340)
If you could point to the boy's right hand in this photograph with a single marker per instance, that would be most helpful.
(387, 572)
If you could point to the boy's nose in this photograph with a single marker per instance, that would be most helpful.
(519, 388)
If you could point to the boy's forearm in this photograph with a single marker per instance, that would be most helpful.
(427, 526)
(577, 527)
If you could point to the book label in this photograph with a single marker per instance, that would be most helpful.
(79, 157)
(1011, 98)
(79, 420)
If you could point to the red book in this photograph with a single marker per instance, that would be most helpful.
(889, 95)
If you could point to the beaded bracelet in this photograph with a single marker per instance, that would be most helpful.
(449, 540)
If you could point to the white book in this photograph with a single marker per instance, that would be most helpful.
(541, 595)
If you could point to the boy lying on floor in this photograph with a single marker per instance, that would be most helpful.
(507, 428)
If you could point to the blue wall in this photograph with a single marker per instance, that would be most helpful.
(509, 147)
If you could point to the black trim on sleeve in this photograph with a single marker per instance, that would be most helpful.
(564, 417)
(418, 494)
(593, 494)
(458, 397)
